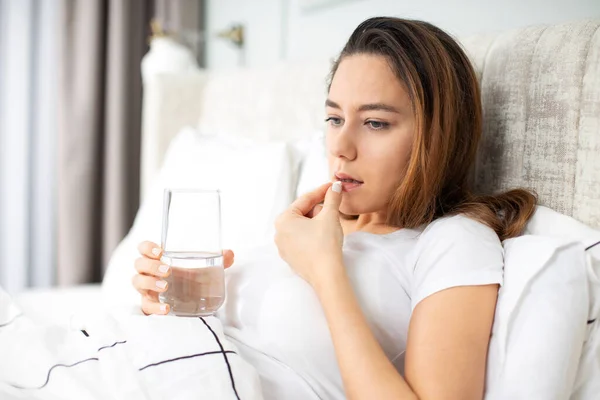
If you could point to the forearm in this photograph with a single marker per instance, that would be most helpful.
(366, 371)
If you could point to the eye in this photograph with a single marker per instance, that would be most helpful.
(333, 121)
(377, 125)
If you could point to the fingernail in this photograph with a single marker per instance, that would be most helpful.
(156, 251)
(163, 307)
(163, 269)
(337, 187)
(161, 284)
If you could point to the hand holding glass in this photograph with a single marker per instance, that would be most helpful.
(191, 243)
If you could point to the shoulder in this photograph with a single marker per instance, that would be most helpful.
(459, 227)
(459, 237)
(455, 251)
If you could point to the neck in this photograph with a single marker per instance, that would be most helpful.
(371, 222)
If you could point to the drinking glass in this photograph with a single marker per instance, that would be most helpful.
(191, 243)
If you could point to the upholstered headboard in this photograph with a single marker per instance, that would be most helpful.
(541, 99)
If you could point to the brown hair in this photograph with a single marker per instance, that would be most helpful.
(446, 102)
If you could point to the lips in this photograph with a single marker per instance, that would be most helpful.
(347, 178)
(349, 182)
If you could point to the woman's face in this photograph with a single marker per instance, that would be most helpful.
(369, 133)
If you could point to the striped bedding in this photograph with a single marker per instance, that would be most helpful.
(130, 357)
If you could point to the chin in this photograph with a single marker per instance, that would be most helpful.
(361, 203)
(351, 208)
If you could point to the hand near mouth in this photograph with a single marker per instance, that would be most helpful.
(309, 238)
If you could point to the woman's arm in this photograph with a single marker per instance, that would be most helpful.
(449, 330)
(446, 351)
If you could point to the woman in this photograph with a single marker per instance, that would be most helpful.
(404, 262)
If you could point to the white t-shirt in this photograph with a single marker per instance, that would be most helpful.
(276, 320)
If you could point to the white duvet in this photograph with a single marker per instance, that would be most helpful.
(132, 357)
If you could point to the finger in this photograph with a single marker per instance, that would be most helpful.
(333, 197)
(149, 266)
(151, 306)
(315, 211)
(145, 282)
(153, 296)
(304, 204)
(150, 250)
(228, 258)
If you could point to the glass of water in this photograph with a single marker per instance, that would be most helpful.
(191, 243)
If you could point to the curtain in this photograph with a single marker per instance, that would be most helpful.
(28, 41)
(70, 115)
(102, 44)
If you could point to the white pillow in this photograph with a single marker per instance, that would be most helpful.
(255, 180)
(542, 345)
(550, 223)
(256, 183)
(541, 320)
(315, 169)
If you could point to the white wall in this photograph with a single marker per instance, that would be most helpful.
(280, 30)
(322, 34)
(263, 23)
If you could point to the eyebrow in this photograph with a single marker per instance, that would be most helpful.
(366, 107)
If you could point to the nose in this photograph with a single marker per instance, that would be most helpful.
(341, 142)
